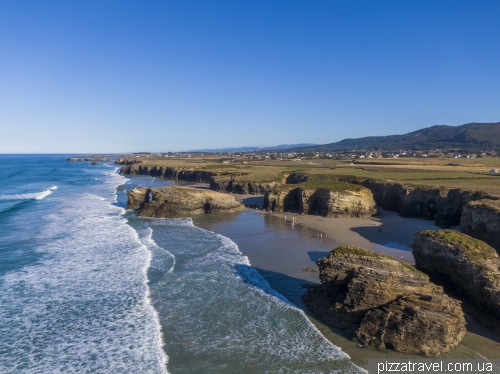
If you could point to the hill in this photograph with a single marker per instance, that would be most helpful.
(472, 136)
(254, 148)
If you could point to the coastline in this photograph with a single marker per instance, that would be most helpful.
(279, 251)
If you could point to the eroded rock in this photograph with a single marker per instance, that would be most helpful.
(481, 220)
(348, 202)
(467, 265)
(384, 303)
(174, 202)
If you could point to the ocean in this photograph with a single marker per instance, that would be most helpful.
(88, 287)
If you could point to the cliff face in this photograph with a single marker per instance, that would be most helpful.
(126, 161)
(439, 204)
(469, 266)
(181, 174)
(325, 202)
(232, 185)
(137, 197)
(175, 202)
(384, 303)
(481, 220)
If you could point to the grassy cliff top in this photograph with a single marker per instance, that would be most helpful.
(329, 182)
(467, 174)
(474, 249)
(361, 252)
(487, 204)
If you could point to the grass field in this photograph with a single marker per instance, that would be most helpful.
(469, 174)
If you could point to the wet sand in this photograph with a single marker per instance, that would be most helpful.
(280, 251)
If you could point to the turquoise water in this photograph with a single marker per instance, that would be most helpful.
(90, 288)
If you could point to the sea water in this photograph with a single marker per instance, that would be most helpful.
(90, 288)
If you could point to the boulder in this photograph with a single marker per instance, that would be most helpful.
(481, 220)
(468, 266)
(174, 202)
(382, 302)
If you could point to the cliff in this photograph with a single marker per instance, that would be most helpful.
(440, 204)
(126, 161)
(343, 200)
(175, 202)
(175, 173)
(383, 303)
(481, 219)
(468, 266)
(231, 184)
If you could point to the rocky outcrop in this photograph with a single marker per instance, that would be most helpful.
(346, 202)
(174, 202)
(470, 267)
(383, 303)
(137, 197)
(481, 219)
(232, 185)
(127, 161)
(81, 159)
(440, 204)
(174, 173)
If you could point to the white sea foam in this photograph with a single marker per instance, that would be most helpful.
(29, 196)
(85, 306)
(219, 310)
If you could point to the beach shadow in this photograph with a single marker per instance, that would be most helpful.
(382, 235)
(257, 201)
(316, 255)
(279, 285)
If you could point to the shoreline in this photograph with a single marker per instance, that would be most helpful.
(281, 262)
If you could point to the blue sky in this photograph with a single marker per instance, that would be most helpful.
(124, 76)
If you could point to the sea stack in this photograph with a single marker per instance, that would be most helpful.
(176, 202)
(481, 219)
(382, 302)
(467, 265)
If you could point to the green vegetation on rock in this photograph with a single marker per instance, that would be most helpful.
(474, 249)
(357, 251)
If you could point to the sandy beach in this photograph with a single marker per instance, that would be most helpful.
(281, 252)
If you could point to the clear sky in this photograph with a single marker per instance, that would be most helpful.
(124, 76)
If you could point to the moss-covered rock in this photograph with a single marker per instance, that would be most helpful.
(470, 267)
(384, 303)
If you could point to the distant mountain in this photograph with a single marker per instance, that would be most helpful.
(257, 149)
(474, 136)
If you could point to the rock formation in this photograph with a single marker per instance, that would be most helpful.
(233, 185)
(481, 219)
(127, 161)
(470, 267)
(137, 197)
(443, 205)
(81, 159)
(174, 202)
(339, 202)
(175, 173)
(384, 303)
